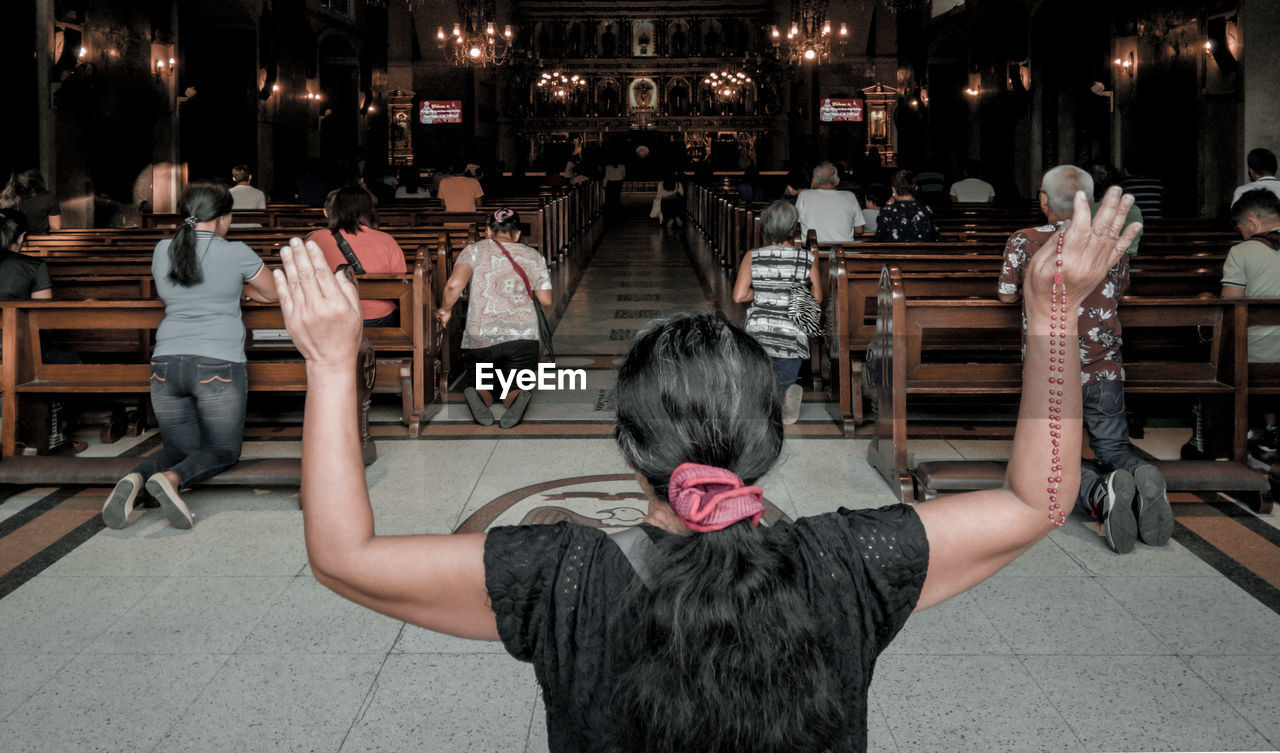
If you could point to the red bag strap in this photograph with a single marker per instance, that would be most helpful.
(523, 277)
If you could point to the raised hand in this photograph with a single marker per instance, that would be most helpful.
(1090, 247)
(321, 309)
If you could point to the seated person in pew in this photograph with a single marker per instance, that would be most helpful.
(1253, 269)
(904, 219)
(834, 214)
(1126, 495)
(353, 223)
(22, 277)
(502, 325)
(875, 198)
(765, 279)
(199, 380)
(770, 632)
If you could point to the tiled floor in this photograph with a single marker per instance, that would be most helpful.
(218, 638)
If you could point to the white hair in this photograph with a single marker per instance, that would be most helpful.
(826, 174)
(1060, 185)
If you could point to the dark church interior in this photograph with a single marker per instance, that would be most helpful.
(869, 191)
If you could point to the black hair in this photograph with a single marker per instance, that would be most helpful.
(972, 169)
(903, 182)
(409, 179)
(670, 182)
(1262, 161)
(349, 208)
(798, 180)
(728, 653)
(505, 220)
(22, 185)
(1259, 203)
(200, 202)
(240, 174)
(13, 225)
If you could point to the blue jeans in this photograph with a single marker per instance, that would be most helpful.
(787, 370)
(1107, 424)
(199, 403)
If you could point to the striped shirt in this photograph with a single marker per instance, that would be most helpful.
(1148, 194)
(773, 269)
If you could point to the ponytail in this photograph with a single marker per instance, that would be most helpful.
(728, 655)
(201, 202)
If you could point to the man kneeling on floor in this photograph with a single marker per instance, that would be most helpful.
(1125, 495)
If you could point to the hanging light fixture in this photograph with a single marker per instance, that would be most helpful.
(475, 40)
(558, 86)
(810, 37)
(726, 84)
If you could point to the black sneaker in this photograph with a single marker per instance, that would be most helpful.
(1151, 506)
(1112, 499)
(479, 411)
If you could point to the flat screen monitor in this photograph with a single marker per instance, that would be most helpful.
(841, 111)
(439, 111)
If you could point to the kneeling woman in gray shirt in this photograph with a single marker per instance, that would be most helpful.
(199, 382)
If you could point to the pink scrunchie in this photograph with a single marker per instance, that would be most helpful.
(707, 498)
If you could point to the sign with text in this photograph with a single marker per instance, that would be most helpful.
(441, 111)
(841, 111)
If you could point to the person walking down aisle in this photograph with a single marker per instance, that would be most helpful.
(505, 276)
(199, 381)
(698, 630)
(765, 279)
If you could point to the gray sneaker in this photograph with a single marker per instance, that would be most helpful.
(119, 504)
(1113, 501)
(1151, 506)
(171, 503)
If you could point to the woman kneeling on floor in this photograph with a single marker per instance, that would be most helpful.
(502, 326)
(199, 379)
(698, 630)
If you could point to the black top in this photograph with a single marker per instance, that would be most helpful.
(906, 221)
(559, 592)
(39, 208)
(20, 276)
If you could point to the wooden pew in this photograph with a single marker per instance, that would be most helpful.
(968, 351)
(26, 375)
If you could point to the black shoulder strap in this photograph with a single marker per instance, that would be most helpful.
(347, 253)
(636, 547)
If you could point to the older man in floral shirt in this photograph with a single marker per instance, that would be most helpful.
(1126, 495)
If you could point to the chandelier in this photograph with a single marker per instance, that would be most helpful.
(809, 38)
(726, 84)
(475, 40)
(557, 86)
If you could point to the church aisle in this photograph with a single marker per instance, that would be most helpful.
(218, 638)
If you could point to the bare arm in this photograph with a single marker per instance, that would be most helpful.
(453, 291)
(742, 292)
(42, 295)
(1009, 297)
(1232, 291)
(262, 287)
(815, 282)
(971, 536)
(437, 581)
(55, 222)
(544, 297)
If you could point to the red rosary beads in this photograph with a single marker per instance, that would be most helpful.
(1057, 359)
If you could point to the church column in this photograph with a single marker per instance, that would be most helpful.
(1260, 58)
(44, 98)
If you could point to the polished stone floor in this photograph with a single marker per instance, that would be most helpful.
(218, 638)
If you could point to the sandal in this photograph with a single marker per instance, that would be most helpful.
(516, 411)
(482, 414)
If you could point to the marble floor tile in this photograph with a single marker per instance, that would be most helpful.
(958, 626)
(975, 703)
(24, 674)
(1192, 615)
(457, 702)
(196, 615)
(1063, 615)
(1249, 683)
(308, 618)
(313, 701)
(107, 703)
(61, 615)
(1140, 703)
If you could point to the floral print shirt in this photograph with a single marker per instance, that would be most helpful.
(1098, 318)
(906, 221)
